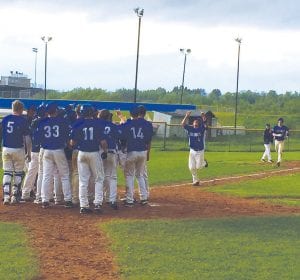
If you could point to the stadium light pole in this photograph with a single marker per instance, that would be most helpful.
(139, 12)
(239, 41)
(185, 52)
(46, 41)
(35, 50)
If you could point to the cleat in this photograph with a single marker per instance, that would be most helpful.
(37, 201)
(58, 202)
(45, 205)
(25, 199)
(114, 205)
(206, 163)
(128, 204)
(32, 194)
(196, 184)
(270, 161)
(144, 202)
(263, 160)
(278, 163)
(68, 204)
(85, 210)
(13, 200)
(98, 208)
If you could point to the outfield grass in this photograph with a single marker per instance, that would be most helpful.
(16, 259)
(240, 248)
(167, 167)
(278, 189)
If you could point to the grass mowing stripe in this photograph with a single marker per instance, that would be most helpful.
(282, 189)
(240, 248)
(16, 259)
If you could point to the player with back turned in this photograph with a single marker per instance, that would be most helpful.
(53, 135)
(14, 130)
(138, 135)
(88, 135)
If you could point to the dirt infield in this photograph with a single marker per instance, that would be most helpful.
(71, 246)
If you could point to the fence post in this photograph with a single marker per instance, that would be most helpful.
(165, 135)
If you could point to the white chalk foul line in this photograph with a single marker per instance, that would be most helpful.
(237, 177)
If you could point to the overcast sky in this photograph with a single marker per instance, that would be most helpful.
(95, 42)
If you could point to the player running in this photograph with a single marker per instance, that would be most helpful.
(14, 130)
(268, 139)
(280, 133)
(196, 134)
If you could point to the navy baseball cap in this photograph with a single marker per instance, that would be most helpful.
(32, 107)
(51, 108)
(134, 111)
(280, 119)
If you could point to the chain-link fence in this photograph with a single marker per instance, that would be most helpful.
(218, 139)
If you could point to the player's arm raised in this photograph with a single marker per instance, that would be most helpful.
(184, 121)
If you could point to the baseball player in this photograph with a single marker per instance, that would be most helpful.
(280, 133)
(53, 134)
(75, 175)
(14, 130)
(138, 135)
(33, 166)
(268, 139)
(88, 136)
(110, 163)
(195, 133)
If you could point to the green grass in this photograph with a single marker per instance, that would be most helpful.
(167, 167)
(17, 261)
(241, 248)
(278, 189)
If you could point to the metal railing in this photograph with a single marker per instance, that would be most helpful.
(218, 139)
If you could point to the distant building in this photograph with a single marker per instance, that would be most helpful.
(17, 85)
(173, 121)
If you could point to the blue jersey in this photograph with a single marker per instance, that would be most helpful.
(268, 136)
(14, 128)
(75, 125)
(112, 134)
(34, 135)
(281, 131)
(196, 136)
(88, 134)
(53, 133)
(138, 134)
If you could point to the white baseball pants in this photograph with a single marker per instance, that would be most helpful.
(135, 167)
(52, 160)
(196, 162)
(267, 153)
(110, 180)
(279, 146)
(33, 168)
(90, 164)
(13, 165)
(75, 178)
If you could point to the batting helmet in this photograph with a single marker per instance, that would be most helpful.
(86, 110)
(41, 110)
(51, 108)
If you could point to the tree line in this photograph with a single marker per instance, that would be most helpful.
(248, 101)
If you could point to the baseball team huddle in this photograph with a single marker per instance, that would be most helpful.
(71, 155)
